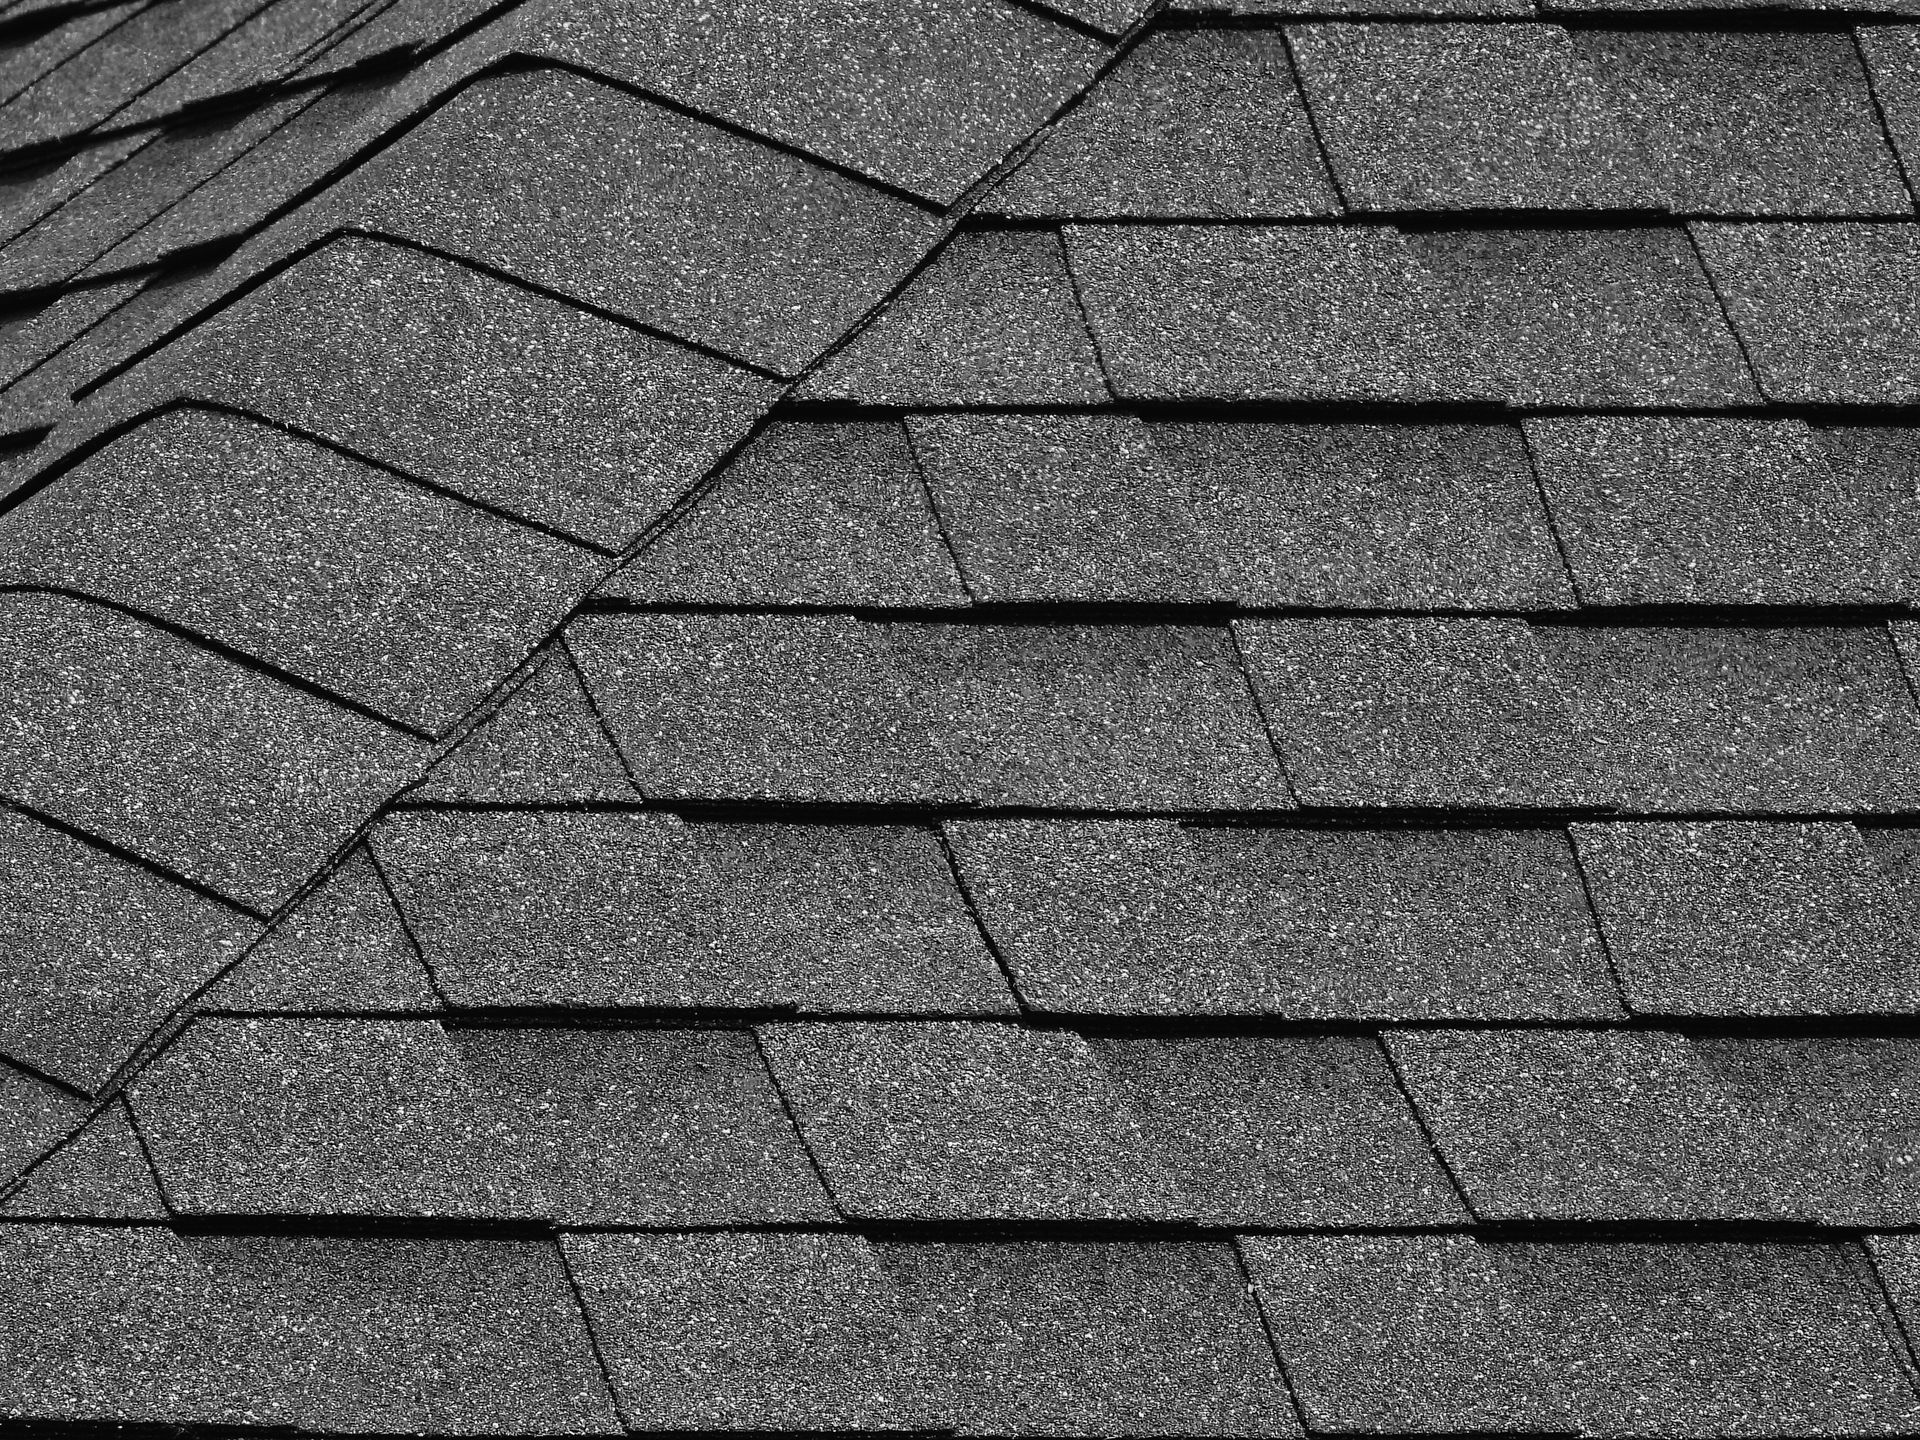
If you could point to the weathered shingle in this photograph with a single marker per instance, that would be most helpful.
(833, 708)
(1190, 312)
(1465, 117)
(1153, 918)
(1192, 124)
(101, 1173)
(1743, 918)
(975, 1121)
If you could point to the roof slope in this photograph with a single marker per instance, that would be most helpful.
(978, 717)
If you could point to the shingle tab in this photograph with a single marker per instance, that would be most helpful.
(1064, 508)
(366, 585)
(992, 321)
(1826, 311)
(1465, 117)
(719, 240)
(263, 50)
(1188, 312)
(1192, 124)
(1757, 719)
(1415, 713)
(1657, 510)
(101, 1173)
(99, 951)
(1152, 918)
(926, 96)
(744, 1331)
(1111, 17)
(1429, 517)
(975, 1121)
(1286, 1131)
(1741, 918)
(516, 400)
(34, 1116)
(1892, 56)
(1590, 317)
(808, 514)
(1621, 1125)
(604, 910)
(1095, 1339)
(1739, 123)
(833, 708)
(1874, 466)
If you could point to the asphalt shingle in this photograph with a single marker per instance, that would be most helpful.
(1465, 117)
(926, 96)
(1621, 1125)
(992, 321)
(34, 1116)
(1415, 713)
(1064, 508)
(642, 911)
(1153, 918)
(1110, 17)
(1285, 1131)
(744, 1332)
(1892, 55)
(1760, 719)
(1190, 312)
(99, 951)
(1827, 311)
(1658, 510)
(1570, 317)
(1874, 465)
(572, 185)
(260, 52)
(1429, 517)
(371, 587)
(1192, 124)
(521, 402)
(808, 514)
(967, 1121)
(1094, 1339)
(101, 1173)
(1749, 123)
(1742, 918)
(833, 708)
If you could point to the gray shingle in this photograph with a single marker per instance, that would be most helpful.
(1892, 55)
(1290, 1131)
(1619, 1125)
(99, 951)
(370, 587)
(30, 59)
(992, 321)
(1095, 1339)
(1874, 467)
(747, 1332)
(521, 402)
(1189, 312)
(1111, 17)
(1739, 918)
(1063, 508)
(263, 50)
(1737, 123)
(1465, 117)
(1827, 311)
(222, 774)
(1295, 9)
(1590, 317)
(1192, 124)
(1896, 1258)
(1804, 719)
(927, 96)
(972, 1121)
(1413, 713)
(101, 1173)
(34, 1117)
(342, 949)
(324, 1117)
(833, 708)
(1656, 510)
(569, 184)
(1152, 918)
(808, 514)
(33, 341)
(644, 1127)
(1429, 517)
(603, 910)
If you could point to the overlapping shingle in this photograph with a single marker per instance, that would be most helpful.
(100, 1173)
(264, 49)
(36, 1115)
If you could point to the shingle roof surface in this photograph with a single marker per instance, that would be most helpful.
(1004, 718)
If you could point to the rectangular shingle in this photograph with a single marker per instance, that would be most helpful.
(831, 708)
(1411, 713)
(1743, 918)
(1622, 1125)
(1152, 918)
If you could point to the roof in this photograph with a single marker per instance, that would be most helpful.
(1019, 718)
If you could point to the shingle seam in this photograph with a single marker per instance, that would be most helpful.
(1905, 669)
(1252, 1291)
(120, 852)
(1405, 1091)
(792, 1117)
(1614, 971)
(564, 652)
(406, 925)
(1879, 105)
(1553, 520)
(1865, 1271)
(1260, 711)
(972, 905)
(939, 520)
